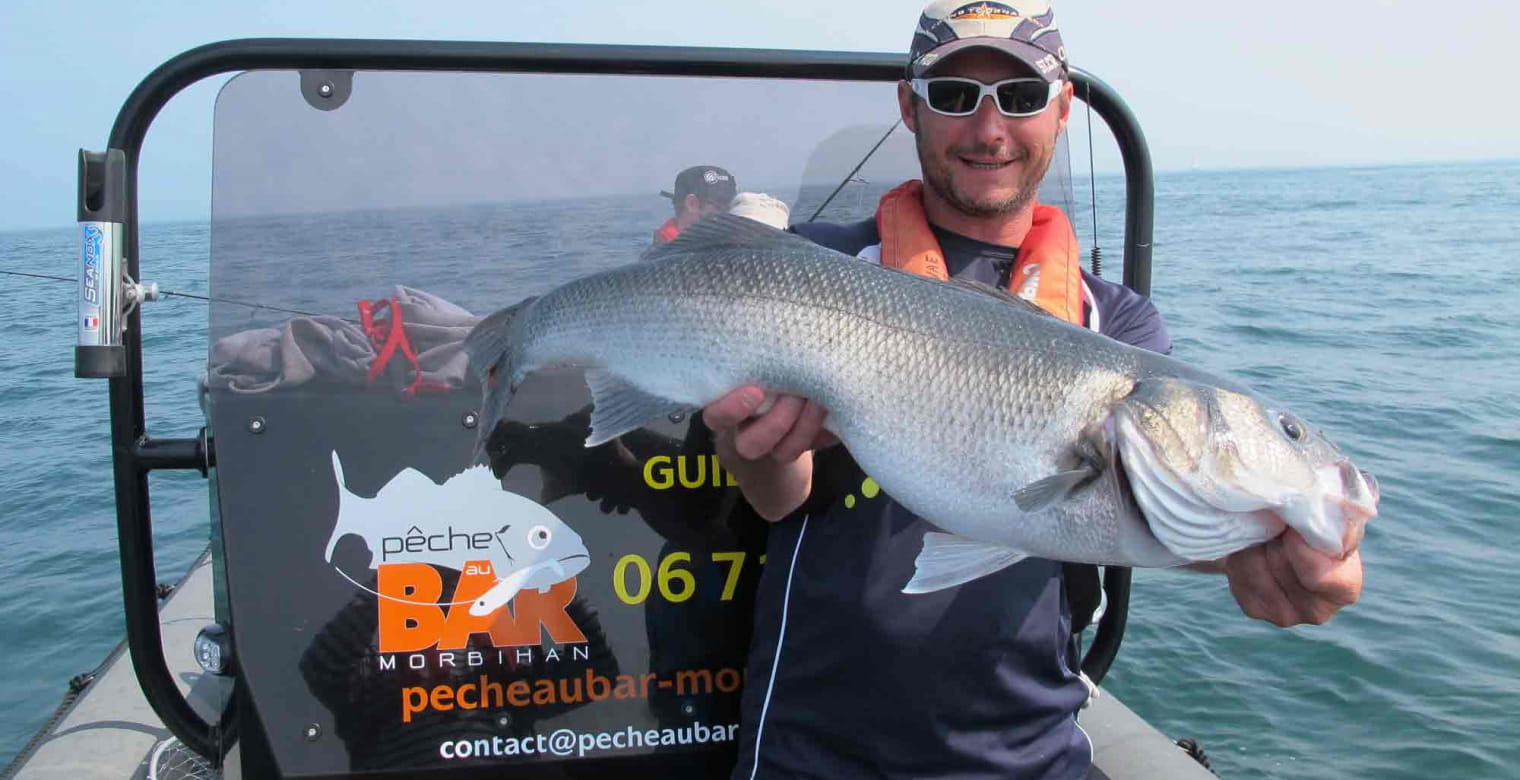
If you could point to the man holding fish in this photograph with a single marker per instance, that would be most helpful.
(849, 675)
(998, 413)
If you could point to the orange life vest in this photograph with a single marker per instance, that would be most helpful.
(1047, 270)
(667, 232)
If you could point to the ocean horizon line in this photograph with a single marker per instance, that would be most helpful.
(1077, 176)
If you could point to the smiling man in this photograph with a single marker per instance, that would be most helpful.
(848, 676)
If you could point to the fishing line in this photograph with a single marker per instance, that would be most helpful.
(856, 169)
(214, 299)
(40, 276)
(210, 299)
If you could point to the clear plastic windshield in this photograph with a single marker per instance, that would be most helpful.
(577, 603)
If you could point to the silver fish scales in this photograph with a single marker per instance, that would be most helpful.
(1013, 431)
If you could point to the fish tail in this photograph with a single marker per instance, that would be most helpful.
(491, 346)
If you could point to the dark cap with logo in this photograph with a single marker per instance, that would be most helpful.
(1025, 29)
(709, 183)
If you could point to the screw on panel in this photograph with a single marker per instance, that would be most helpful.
(688, 709)
(677, 417)
(504, 721)
(326, 90)
(469, 420)
(256, 425)
(312, 732)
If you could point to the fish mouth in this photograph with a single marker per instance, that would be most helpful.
(1357, 503)
(566, 566)
(1333, 519)
(1363, 491)
(571, 565)
(1372, 486)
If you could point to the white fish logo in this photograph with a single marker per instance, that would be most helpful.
(468, 518)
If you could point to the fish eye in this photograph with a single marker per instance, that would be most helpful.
(539, 537)
(1291, 427)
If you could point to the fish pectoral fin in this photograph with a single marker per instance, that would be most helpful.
(1052, 490)
(618, 407)
(948, 560)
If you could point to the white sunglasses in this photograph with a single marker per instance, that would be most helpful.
(956, 96)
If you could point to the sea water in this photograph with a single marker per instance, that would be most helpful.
(1378, 301)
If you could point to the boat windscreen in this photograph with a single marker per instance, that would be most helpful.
(484, 188)
(396, 609)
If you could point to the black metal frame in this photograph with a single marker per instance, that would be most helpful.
(135, 455)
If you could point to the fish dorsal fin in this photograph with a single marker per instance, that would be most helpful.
(727, 231)
(1000, 294)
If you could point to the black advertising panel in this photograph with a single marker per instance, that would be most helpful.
(395, 605)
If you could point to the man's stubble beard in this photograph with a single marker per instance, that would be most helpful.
(938, 178)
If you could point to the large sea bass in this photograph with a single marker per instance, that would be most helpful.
(1015, 432)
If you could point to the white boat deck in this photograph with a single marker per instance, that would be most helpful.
(110, 731)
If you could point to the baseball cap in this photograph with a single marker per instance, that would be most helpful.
(709, 183)
(1026, 29)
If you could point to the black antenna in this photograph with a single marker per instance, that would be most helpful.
(1092, 188)
(853, 171)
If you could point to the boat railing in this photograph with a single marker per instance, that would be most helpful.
(109, 202)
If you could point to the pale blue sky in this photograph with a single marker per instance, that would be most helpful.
(1215, 84)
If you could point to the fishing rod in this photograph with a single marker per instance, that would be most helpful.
(851, 175)
(177, 294)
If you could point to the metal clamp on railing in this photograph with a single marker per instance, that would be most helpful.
(134, 294)
(106, 293)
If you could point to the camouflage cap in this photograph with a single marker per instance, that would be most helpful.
(1025, 29)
